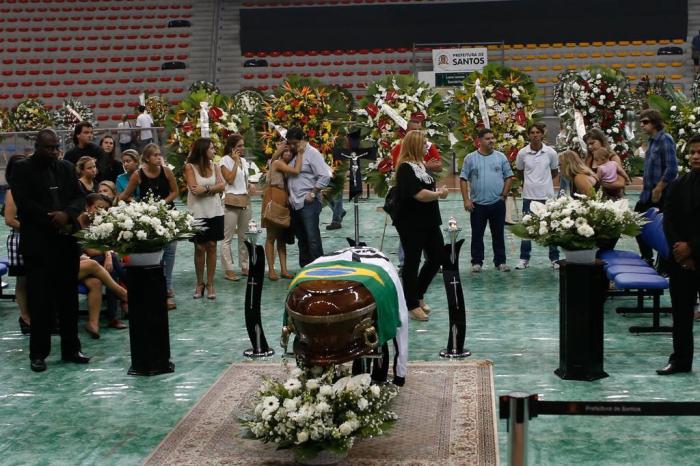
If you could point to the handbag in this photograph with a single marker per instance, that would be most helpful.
(237, 200)
(276, 214)
(391, 204)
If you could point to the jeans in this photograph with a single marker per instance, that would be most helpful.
(336, 205)
(416, 241)
(305, 224)
(495, 215)
(526, 245)
(168, 263)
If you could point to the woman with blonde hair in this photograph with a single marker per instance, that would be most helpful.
(583, 180)
(87, 172)
(418, 222)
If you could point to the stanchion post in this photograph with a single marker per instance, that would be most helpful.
(518, 419)
(256, 272)
(455, 296)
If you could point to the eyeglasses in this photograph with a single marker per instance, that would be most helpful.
(645, 121)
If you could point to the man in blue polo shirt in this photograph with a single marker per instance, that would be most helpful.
(485, 182)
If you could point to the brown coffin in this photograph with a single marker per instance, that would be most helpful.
(334, 321)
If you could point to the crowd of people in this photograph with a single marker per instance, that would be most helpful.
(51, 196)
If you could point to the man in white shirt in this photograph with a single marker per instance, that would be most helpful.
(539, 164)
(144, 120)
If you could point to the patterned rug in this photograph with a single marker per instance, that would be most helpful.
(447, 416)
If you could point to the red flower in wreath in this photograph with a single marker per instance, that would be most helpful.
(512, 153)
(312, 133)
(502, 94)
(390, 95)
(418, 116)
(372, 110)
(187, 127)
(520, 117)
(385, 166)
(215, 114)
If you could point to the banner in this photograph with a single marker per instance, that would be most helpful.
(450, 60)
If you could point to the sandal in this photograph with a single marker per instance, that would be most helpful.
(287, 275)
(211, 294)
(273, 276)
(418, 314)
(231, 276)
(171, 304)
(198, 291)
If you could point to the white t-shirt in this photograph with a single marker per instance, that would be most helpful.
(240, 182)
(144, 120)
(124, 136)
(537, 167)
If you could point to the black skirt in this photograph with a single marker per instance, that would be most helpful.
(213, 230)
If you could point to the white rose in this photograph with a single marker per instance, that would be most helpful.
(362, 404)
(376, 391)
(673, 108)
(345, 428)
(312, 384)
(585, 230)
(302, 436)
(325, 390)
(290, 404)
(126, 235)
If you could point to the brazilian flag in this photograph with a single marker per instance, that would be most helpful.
(373, 277)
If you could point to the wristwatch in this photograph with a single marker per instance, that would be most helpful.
(313, 194)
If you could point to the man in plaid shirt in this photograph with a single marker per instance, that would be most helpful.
(660, 169)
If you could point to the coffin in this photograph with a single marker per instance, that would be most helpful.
(334, 321)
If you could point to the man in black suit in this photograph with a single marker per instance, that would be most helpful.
(682, 230)
(45, 189)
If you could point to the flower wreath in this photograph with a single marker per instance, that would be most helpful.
(5, 124)
(158, 108)
(389, 101)
(603, 98)
(184, 125)
(682, 117)
(303, 103)
(72, 112)
(507, 97)
(248, 105)
(206, 86)
(31, 115)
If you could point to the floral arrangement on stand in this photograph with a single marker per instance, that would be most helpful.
(682, 118)
(320, 410)
(158, 108)
(137, 227)
(695, 88)
(303, 103)
(383, 112)
(502, 99)
(248, 105)
(31, 115)
(206, 86)
(602, 98)
(576, 223)
(72, 112)
(184, 124)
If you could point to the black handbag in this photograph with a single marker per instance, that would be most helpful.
(391, 203)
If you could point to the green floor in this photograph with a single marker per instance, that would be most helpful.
(96, 414)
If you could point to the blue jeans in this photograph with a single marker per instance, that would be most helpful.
(169, 262)
(495, 216)
(305, 224)
(526, 244)
(336, 205)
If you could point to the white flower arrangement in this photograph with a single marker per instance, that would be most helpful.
(320, 409)
(578, 222)
(137, 227)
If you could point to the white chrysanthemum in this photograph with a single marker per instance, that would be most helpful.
(292, 385)
(270, 403)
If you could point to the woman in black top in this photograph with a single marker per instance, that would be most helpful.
(156, 180)
(112, 167)
(418, 222)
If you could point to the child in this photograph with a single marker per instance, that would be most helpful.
(608, 171)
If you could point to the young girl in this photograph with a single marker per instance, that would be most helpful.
(276, 191)
(87, 171)
(108, 189)
(205, 185)
(130, 162)
(98, 268)
(607, 171)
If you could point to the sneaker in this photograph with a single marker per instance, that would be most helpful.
(522, 264)
(334, 226)
(555, 265)
(503, 268)
(476, 268)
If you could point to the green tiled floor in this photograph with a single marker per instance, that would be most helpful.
(96, 414)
